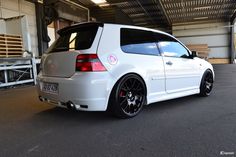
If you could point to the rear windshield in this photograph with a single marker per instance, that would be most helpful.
(74, 39)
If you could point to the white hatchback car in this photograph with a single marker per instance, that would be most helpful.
(120, 68)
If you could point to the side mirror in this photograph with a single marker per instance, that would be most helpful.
(194, 54)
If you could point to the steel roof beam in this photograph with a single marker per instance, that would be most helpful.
(162, 8)
(233, 17)
(232, 37)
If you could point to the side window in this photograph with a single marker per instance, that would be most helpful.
(138, 42)
(170, 47)
(173, 49)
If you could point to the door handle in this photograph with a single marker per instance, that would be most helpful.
(169, 63)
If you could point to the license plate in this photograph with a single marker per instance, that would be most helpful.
(50, 87)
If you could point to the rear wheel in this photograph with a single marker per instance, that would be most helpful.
(206, 83)
(128, 96)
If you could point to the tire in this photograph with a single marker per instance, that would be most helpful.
(206, 83)
(127, 97)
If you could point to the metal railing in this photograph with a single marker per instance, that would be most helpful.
(15, 71)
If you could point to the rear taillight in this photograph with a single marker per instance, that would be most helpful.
(89, 62)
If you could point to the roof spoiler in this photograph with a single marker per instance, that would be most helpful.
(79, 25)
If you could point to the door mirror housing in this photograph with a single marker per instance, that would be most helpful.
(194, 54)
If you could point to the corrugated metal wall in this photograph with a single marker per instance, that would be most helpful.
(12, 8)
(215, 35)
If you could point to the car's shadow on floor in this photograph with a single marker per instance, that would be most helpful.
(81, 116)
(173, 103)
(71, 115)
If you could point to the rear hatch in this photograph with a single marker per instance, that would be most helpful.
(60, 58)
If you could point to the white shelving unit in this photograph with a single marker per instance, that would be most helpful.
(15, 71)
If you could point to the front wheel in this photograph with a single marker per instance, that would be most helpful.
(206, 84)
(128, 96)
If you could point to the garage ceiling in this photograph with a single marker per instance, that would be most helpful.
(164, 13)
(199, 10)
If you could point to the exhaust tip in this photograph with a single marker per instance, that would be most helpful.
(41, 98)
(70, 105)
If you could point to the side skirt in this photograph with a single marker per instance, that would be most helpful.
(166, 96)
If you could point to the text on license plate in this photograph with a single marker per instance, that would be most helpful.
(50, 87)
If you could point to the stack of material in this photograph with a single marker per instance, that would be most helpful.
(11, 46)
(201, 49)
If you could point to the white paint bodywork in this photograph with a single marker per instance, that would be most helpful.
(163, 82)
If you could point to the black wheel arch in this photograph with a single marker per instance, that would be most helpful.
(208, 70)
(117, 82)
(132, 73)
(201, 87)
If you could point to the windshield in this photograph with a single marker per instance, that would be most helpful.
(74, 39)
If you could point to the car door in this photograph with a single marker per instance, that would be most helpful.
(182, 72)
(141, 46)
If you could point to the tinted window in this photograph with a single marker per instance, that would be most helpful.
(75, 39)
(170, 47)
(138, 42)
(173, 49)
(163, 37)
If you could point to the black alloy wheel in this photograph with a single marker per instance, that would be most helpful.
(206, 83)
(128, 96)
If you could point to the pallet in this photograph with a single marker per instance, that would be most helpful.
(219, 60)
(11, 46)
(201, 49)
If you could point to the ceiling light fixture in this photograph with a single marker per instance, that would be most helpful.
(104, 5)
(203, 7)
(99, 1)
(112, 4)
(200, 18)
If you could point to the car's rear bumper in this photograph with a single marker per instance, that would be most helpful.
(87, 91)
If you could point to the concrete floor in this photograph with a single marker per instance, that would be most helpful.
(185, 127)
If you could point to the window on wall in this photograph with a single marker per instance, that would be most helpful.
(138, 42)
(51, 33)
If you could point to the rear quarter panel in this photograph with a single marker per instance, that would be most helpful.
(149, 68)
